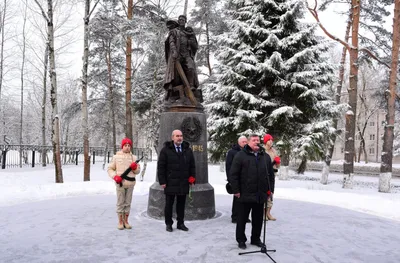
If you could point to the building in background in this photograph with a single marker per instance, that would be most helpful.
(370, 126)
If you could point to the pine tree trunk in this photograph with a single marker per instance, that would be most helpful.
(328, 158)
(54, 117)
(348, 165)
(128, 80)
(387, 149)
(85, 126)
(44, 100)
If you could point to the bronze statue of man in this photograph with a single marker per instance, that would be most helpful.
(181, 45)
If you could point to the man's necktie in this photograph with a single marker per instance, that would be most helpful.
(178, 149)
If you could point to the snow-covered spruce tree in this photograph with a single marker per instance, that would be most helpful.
(270, 77)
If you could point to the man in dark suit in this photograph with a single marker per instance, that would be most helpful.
(176, 170)
(242, 141)
(251, 176)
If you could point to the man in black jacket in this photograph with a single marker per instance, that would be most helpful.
(242, 141)
(175, 170)
(251, 176)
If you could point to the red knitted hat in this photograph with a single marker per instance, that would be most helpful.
(126, 141)
(268, 137)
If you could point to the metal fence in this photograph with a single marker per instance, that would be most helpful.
(32, 155)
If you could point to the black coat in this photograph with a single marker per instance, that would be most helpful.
(229, 158)
(174, 169)
(252, 176)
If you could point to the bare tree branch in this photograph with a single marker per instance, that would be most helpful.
(372, 55)
(125, 7)
(314, 13)
(43, 12)
(94, 7)
(381, 44)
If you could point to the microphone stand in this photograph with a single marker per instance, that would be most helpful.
(263, 249)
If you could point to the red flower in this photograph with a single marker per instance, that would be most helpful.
(191, 180)
(269, 192)
(133, 166)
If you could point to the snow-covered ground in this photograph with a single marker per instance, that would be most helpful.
(41, 221)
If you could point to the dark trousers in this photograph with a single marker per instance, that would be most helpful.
(257, 213)
(234, 215)
(180, 208)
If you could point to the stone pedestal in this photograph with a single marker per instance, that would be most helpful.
(193, 127)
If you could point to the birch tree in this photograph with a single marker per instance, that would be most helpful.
(44, 101)
(84, 80)
(38, 57)
(3, 19)
(2, 25)
(22, 76)
(55, 133)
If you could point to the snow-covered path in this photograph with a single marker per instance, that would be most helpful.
(83, 229)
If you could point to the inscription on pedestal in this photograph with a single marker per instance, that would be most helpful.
(197, 148)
